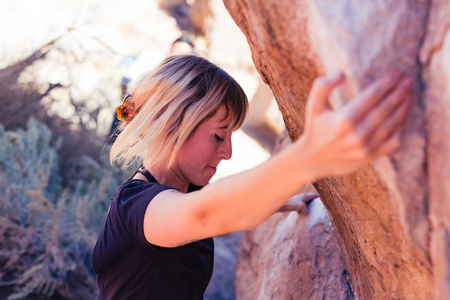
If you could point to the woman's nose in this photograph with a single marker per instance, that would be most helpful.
(226, 150)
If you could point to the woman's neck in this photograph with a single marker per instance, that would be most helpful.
(168, 177)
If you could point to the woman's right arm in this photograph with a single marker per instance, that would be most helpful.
(335, 142)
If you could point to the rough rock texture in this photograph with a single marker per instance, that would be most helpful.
(391, 217)
(435, 59)
(292, 257)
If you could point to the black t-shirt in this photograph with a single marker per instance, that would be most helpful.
(129, 267)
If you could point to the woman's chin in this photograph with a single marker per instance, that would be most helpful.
(205, 178)
(201, 182)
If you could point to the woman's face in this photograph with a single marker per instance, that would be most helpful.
(198, 157)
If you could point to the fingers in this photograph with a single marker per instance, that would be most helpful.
(368, 126)
(294, 206)
(378, 113)
(372, 95)
(301, 208)
(384, 113)
(390, 131)
(322, 87)
(299, 203)
(391, 144)
(307, 197)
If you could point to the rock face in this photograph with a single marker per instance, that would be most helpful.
(391, 218)
(435, 61)
(292, 257)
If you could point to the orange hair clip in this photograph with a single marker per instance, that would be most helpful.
(126, 111)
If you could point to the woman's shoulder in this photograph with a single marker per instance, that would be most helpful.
(130, 203)
(137, 188)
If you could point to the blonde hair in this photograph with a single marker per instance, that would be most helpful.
(182, 92)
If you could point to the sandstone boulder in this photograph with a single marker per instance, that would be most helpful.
(292, 256)
(391, 217)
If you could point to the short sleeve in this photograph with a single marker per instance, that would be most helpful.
(132, 204)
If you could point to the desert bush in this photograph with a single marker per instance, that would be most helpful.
(47, 230)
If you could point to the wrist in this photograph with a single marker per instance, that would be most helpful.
(308, 160)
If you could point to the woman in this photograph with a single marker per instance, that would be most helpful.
(156, 242)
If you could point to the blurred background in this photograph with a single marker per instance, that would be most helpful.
(64, 67)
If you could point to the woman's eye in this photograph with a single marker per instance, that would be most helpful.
(218, 138)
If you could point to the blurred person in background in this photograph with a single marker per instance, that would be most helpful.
(135, 66)
(156, 242)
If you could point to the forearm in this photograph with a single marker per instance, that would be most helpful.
(244, 200)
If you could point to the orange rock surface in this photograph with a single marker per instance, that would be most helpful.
(391, 218)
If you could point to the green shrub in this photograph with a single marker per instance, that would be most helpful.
(47, 231)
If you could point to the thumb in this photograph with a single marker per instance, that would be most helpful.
(322, 87)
